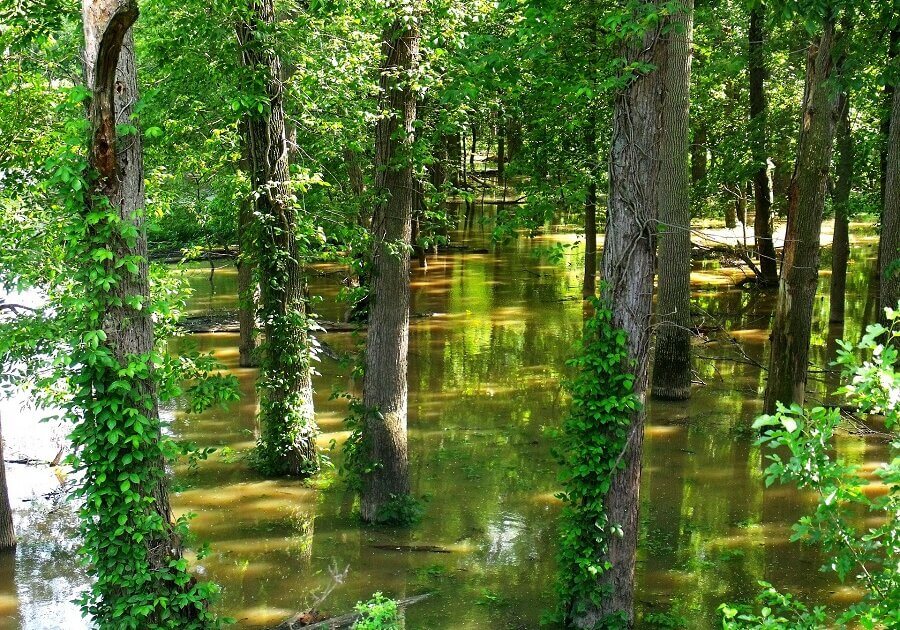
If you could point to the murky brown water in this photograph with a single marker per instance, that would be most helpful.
(484, 377)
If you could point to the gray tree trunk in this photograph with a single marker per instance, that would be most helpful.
(385, 385)
(629, 258)
(7, 532)
(672, 359)
(288, 430)
(112, 79)
(791, 329)
(889, 246)
(247, 304)
(762, 200)
(840, 245)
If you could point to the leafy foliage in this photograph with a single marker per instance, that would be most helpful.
(865, 554)
(379, 613)
(589, 450)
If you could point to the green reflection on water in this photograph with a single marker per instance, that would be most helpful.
(485, 381)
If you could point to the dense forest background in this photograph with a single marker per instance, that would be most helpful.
(426, 277)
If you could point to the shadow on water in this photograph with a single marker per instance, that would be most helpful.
(485, 384)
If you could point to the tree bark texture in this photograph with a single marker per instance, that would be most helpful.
(889, 246)
(385, 385)
(672, 358)
(111, 77)
(762, 196)
(288, 429)
(840, 245)
(589, 286)
(7, 532)
(789, 355)
(628, 264)
(247, 303)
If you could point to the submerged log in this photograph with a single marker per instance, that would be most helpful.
(300, 620)
(416, 548)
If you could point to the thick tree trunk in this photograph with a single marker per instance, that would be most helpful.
(501, 146)
(589, 286)
(385, 385)
(672, 358)
(792, 324)
(117, 165)
(7, 532)
(287, 444)
(889, 246)
(629, 257)
(249, 342)
(840, 245)
(889, 90)
(762, 198)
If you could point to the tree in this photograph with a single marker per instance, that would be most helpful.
(287, 444)
(7, 532)
(132, 544)
(385, 384)
(672, 359)
(628, 264)
(840, 245)
(889, 245)
(791, 329)
(762, 200)
(247, 304)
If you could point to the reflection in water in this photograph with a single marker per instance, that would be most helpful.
(485, 383)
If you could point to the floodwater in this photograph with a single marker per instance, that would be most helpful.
(485, 385)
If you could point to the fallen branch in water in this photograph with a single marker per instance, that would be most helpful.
(418, 548)
(344, 621)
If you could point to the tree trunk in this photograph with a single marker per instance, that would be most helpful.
(792, 324)
(629, 256)
(7, 532)
(589, 287)
(699, 162)
(501, 146)
(385, 385)
(889, 89)
(889, 246)
(287, 444)
(840, 245)
(117, 184)
(672, 362)
(249, 342)
(762, 197)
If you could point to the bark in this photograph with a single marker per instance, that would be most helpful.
(762, 196)
(731, 217)
(355, 172)
(672, 358)
(889, 246)
(286, 397)
(501, 147)
(249, 341)
(792, 324)
(589, 287)
(111, 76)
(840, 245)
(7, 532)
(628, 263)
(699, 161)
(889, 89)
(385, 385)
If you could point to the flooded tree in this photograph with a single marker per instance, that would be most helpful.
(7, 532)
(131, 540)
(385, 386)
(628, 266)
(287, 444)
(840, 244)
(791, 328)
(672, 358)
(247, 303)
(762, 200)
(889, 246)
